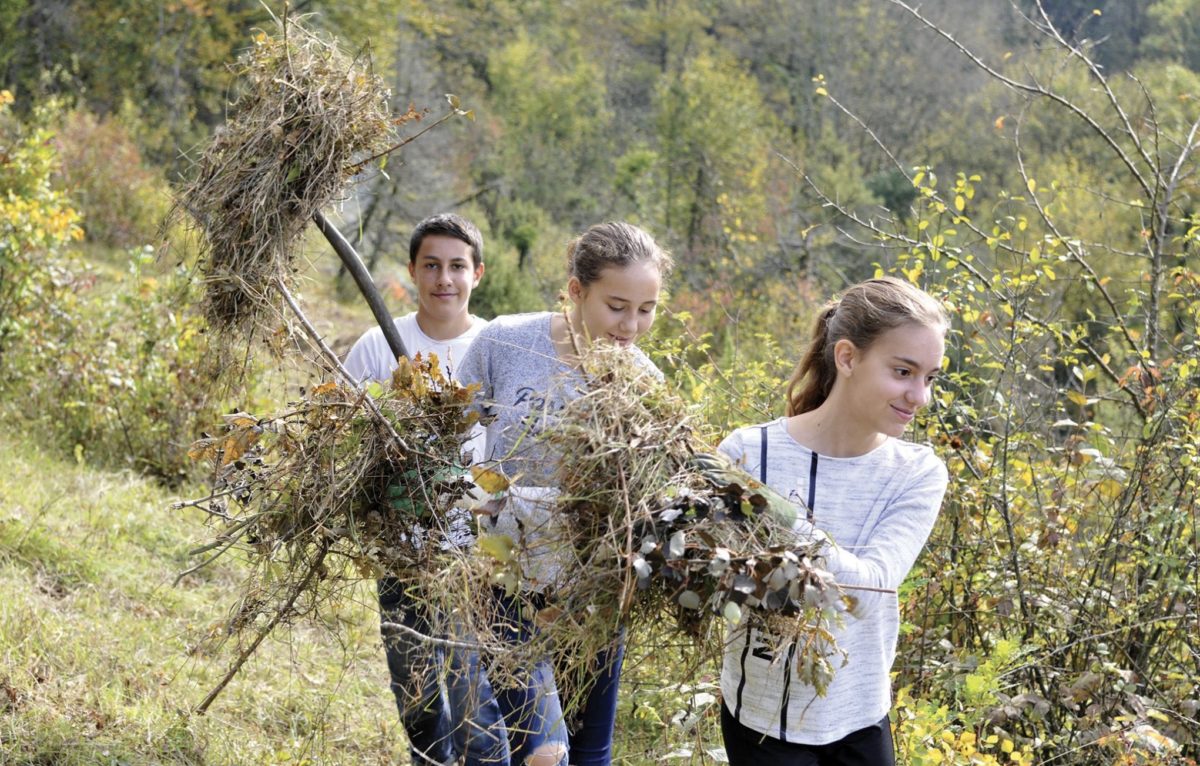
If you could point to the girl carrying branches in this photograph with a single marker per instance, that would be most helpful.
(869, 368)
(528, 367)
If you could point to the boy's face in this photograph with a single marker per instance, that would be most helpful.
(445, 275)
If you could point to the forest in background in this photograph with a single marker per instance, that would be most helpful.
(1031, 163)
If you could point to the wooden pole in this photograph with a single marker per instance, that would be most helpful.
(366, 285)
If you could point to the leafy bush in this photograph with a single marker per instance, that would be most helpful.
(129, 380)
(36, 225)
(121, 197)
(1068, 417)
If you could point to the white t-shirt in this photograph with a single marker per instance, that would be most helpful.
(371, 359)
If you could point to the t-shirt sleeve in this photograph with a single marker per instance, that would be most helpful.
(362, 362)
(475, 368)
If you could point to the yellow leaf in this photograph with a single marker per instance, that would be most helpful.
(499, 547)
(1077, 398)
(491, 481)
(822, 92)
(324, 388)
(1031, 185)
(236, 445)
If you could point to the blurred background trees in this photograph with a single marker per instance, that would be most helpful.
(1033, 162)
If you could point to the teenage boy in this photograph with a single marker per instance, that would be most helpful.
(445, 261)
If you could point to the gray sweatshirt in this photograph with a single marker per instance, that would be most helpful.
(523, 385)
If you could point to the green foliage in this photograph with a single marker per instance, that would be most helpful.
(120, 196)
(731, 379)
(36, 225)
(1068, 528)
(551, 106)
(118, 373)
(712, 129)
(505, 289)
(127, 377)
(1174, 32)
(169, 58)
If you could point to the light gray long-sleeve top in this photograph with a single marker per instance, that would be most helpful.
(878, 510)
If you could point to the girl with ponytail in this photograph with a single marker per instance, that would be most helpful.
(870, 495)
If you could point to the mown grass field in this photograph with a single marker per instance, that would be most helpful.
(98, 647)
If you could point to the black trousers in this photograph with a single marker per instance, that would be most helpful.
(871, 746)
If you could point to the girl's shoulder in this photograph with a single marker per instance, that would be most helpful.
(919, 462)
(913, 452)
(507, 324)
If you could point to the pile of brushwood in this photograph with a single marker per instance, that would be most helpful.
(304, 121)
(345, 485)
(340, 486)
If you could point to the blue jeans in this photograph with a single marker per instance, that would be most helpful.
(532, 710)
(437, 732)
(591, 739)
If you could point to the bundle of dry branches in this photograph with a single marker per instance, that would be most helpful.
(305, 117)
(332, 491)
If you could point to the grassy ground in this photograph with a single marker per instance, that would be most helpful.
(101, 658)
(98, 660)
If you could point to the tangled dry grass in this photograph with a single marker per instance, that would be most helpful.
(304, 118)
(333, 490)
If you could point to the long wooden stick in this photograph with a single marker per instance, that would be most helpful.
(366, 285)
(280, 613)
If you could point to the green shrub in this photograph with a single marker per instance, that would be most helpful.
(122, 199)
(130, 380)
(36, 225)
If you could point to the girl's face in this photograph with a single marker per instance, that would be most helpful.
(893, 378)
(619, 306)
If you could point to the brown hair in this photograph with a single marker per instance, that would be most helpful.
(447, 225)
(864, 312)
(615, 243)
